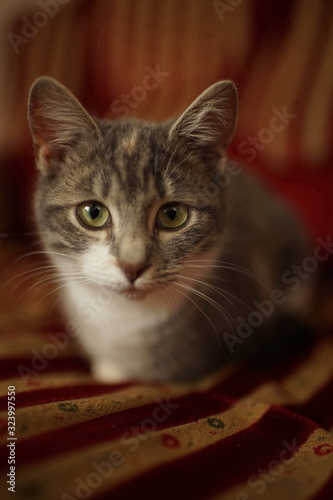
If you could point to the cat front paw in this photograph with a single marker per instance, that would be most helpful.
(106, 371)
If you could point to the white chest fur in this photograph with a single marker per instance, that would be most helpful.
(109, 325)
(113, 316)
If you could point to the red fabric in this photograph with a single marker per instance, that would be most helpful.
(223, 464)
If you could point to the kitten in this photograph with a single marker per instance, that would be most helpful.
(172, 259)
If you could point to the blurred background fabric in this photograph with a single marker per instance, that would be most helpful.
(279, 53)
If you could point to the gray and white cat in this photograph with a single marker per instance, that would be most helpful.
(173, 260)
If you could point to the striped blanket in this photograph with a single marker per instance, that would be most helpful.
(239, 435)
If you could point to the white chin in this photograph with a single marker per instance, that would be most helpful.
(134, 293)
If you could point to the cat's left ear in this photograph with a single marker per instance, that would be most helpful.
(58, 122)
(209, 123)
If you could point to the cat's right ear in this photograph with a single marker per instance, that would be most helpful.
(209, 123)
(58, 123)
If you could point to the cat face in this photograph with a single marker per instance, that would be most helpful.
(124, 205)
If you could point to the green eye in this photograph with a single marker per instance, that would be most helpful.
(93, 214)
(172, 216)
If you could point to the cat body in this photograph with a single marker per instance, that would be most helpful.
(161, 253)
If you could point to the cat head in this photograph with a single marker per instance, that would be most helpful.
(125, 203)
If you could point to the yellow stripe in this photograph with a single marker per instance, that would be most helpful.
(44, 416)
(61, 473)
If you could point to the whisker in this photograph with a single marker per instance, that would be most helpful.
(78, 282)
(46, 252)
(220, 292)
(57, 300)
(210, 301)
(54, 278)
(220, 278)
(226, 265)
(167, 294)
(47, 277)
(221, 263)
(32, 273)
(203, 312)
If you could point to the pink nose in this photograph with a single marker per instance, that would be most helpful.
(133, 271)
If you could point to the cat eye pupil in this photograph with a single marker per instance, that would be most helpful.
(172, 216)
(93, 215)
(94, 211)
(171, 213)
